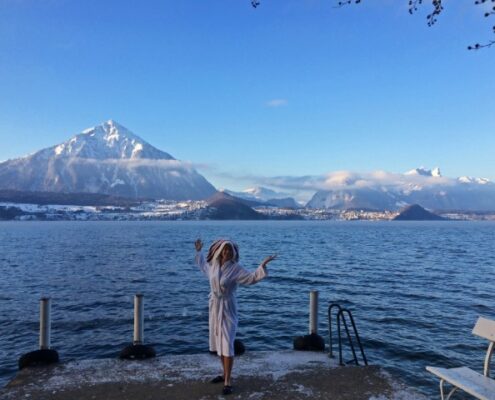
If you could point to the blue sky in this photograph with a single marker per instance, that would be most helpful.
(291, 88)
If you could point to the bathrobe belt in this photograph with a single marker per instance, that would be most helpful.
(219, 309)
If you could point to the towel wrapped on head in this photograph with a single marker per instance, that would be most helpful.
(216, 249)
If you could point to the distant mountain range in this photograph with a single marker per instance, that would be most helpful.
(106, 159)
(263, 196)
(418, 186)
(110, 160)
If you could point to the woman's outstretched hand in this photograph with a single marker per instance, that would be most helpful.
(198, 244)
(268, 259)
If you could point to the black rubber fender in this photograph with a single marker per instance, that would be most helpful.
(38, 358)
(137, 352)
(311, 342)
(239, 348)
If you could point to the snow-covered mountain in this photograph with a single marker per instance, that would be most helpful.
(382, 191)
(107, 159)
(355, 198)
(263, 193)
(258, 193)
(267, 196)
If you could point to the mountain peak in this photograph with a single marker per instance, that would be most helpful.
(260, 192)
(112, 122)
(105, 159)
(109, 140)
(110, 129)
(415, 212)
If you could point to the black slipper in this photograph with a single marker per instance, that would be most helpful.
(227, 390)
(217, 379)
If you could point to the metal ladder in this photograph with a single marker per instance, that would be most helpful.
(341, 318)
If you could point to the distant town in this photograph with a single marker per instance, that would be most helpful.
(196, 210)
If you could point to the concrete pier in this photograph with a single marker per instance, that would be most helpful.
(272, 375)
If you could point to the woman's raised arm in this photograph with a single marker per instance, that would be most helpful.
(200, 258)
(268, 259)
(244, 277)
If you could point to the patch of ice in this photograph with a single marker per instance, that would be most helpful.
(173, 369)
(399, 390)
(256, 395)
(302, 390)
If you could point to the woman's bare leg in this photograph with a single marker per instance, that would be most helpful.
(223, 365)
(228, 363)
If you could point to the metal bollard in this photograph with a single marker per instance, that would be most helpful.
(138, 319)
(45, 323)
(44, 355)
(138, 350)
(313, 312)
(312, 341)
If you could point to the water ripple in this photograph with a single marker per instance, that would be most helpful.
(415, 289)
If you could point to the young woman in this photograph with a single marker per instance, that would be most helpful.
(222, 268)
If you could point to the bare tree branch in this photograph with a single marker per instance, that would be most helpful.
(432, 17)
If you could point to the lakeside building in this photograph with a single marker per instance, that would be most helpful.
(198, 210)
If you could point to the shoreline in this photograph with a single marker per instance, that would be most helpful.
(257, 375)
(169, 210)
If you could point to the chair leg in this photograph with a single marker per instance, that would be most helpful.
(451, 393)
(442, 396)
(441, 390)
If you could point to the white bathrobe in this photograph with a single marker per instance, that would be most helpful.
(223, 304)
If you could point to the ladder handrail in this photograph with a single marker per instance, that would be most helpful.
(357, 337)
(341, 316)
(330, 307)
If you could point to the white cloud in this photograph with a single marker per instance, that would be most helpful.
(140, 162)
(277, 103)
(350, 179)
(303, 187)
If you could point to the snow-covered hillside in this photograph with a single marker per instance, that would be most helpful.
(107, 159)
(258, 193)
(386, 191)
(264, 195)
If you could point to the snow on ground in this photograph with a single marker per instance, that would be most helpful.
(258, 375)
(179, 368)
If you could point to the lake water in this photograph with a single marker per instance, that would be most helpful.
(415, 288)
